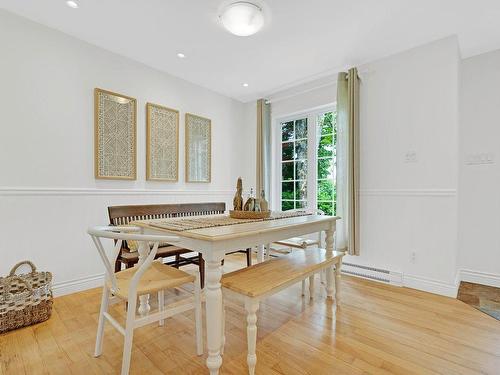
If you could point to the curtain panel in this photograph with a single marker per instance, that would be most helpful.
(263, 178)
(347, 178)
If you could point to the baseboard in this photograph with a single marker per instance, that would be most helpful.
(77, 285)
(477, 277)
(430, 285)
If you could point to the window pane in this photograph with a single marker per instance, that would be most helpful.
(287, 190)
(325, 168)
(325, 147)
(301, 128)
(326, 207)
(300, 204)
(287, 131)
(301, 170)
(287, 171)
(286, 205)
(301, 150)
(327, 122)
(301, 190)
(325, 190)
(287, 151)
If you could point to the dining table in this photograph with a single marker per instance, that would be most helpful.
(214, 241)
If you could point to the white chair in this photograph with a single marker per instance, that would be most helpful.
(303, 244)
(147, 277)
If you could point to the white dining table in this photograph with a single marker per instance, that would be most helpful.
(215, 242)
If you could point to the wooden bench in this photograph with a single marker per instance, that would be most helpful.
(123, 215)
(264, 279)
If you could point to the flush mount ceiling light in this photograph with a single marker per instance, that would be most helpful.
(245, 85)
(180, 55)
(242, 18)
(72, 4)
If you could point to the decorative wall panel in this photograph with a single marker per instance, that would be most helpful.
(115, 135)
(198, 148)
(162, 143)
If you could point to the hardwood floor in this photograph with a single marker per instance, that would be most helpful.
(378, 329)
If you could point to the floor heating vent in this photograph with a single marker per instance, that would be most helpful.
(372, 273)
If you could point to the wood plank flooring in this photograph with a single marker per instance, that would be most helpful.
(377, 329)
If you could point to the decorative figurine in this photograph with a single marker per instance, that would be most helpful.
(250, 203)
(257, 205)
(264, 206)
(238, 198)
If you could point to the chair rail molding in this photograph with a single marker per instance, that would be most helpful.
(43, 191)
(409, 192)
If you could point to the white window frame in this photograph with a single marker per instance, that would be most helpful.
(311, 115)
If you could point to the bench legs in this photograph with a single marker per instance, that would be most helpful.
(311, 287)
(251, 306)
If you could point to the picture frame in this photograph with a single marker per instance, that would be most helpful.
(162, 143)
(115, 136)
(198, 148)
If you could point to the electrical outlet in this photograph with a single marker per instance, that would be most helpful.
(413, 257)
(479, 158)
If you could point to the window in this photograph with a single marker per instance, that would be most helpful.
(294, 164)
(326, 156)
(306, 172)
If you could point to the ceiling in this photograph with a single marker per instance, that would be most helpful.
(302, 39)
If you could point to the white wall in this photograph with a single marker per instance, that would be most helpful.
(48, 194)
(479, 204)
(409, 103)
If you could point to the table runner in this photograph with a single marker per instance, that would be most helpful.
(200, 222)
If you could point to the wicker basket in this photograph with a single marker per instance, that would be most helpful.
(24, 299)
(249, 214)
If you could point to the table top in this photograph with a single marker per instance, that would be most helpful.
(238, 230)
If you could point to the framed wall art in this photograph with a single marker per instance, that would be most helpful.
(162, 143)
(115, 133)
(198, 148)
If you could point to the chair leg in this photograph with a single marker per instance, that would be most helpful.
(197, 315)
(118, 265)
(303, 288)
(177, 259)
(311, 287)
(161, 305)
(268, 251)
(201, 268)
(249, 257)
(129, 335)
(100, 326)
(251, 307)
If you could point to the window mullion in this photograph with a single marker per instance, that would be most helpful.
(311, 161)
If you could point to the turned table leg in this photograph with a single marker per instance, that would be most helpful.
(213, 297)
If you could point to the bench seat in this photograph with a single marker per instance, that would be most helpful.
(266, 278)
(271, 276)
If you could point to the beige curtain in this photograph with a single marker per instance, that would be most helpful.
(347, 178)
(263, 178)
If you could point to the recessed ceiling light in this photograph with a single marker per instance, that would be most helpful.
(245, 85)
(72, 4)
(242, 18)
(181, 55)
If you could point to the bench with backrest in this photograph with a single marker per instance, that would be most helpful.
(123, 215)
(264, 279)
